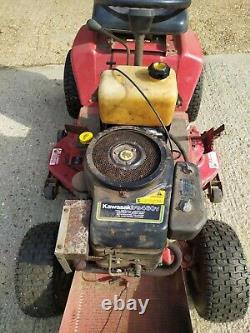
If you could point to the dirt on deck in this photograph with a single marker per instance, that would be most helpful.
(41, 32)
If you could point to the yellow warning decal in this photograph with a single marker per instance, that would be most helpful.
(155, 198)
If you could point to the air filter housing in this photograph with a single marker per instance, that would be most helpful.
(126, 158)
(130, 175)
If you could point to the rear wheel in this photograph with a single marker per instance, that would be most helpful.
(70, 90)
(40, 283)
(194, 106)
(218, 280)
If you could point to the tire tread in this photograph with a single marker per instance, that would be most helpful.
(226, 295)
(35, 272)
(194, 106)
(70, 89)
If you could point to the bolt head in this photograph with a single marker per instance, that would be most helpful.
(186, 206)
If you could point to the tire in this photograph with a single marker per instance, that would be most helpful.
(194, 106)
(41, 285)
(218, 281)
(70, 90)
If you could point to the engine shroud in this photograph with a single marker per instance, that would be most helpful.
(126, 158)
(130, 176)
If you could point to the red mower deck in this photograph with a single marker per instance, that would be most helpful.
(63, 165)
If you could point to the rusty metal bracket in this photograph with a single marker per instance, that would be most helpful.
(72, 245)
(208, 137)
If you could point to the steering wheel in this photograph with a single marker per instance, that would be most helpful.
(170, 4)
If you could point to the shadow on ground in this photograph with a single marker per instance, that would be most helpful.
(32, 109)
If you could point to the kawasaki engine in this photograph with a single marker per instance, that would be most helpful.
(130, 177)
(142, 201)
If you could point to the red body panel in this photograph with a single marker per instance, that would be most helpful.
(64, 170)
(198, 156)
(91, 52)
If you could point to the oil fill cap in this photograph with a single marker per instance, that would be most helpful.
(159, 70)
(85, 137)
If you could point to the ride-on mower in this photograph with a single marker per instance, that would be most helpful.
(138, 169)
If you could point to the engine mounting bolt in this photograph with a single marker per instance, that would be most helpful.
(185, 206)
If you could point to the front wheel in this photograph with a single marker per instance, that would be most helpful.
(218, 280)
(40, 283)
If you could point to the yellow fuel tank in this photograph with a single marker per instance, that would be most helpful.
(122, 104)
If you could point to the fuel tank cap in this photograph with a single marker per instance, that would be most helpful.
(159, 70)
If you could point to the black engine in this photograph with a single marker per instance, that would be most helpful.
(130, 175)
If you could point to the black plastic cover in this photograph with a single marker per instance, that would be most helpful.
(172, 21)
(146, 3)
(187, 213)
(136, 220)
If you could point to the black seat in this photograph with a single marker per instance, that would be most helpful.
(177, 4)
(170, 16)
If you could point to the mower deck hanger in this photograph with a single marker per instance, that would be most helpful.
(137, 168)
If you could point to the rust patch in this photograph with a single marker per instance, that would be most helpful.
(76, 241)
(72, 241)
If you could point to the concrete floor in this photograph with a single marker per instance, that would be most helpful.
(32, 109)
(34, 32)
